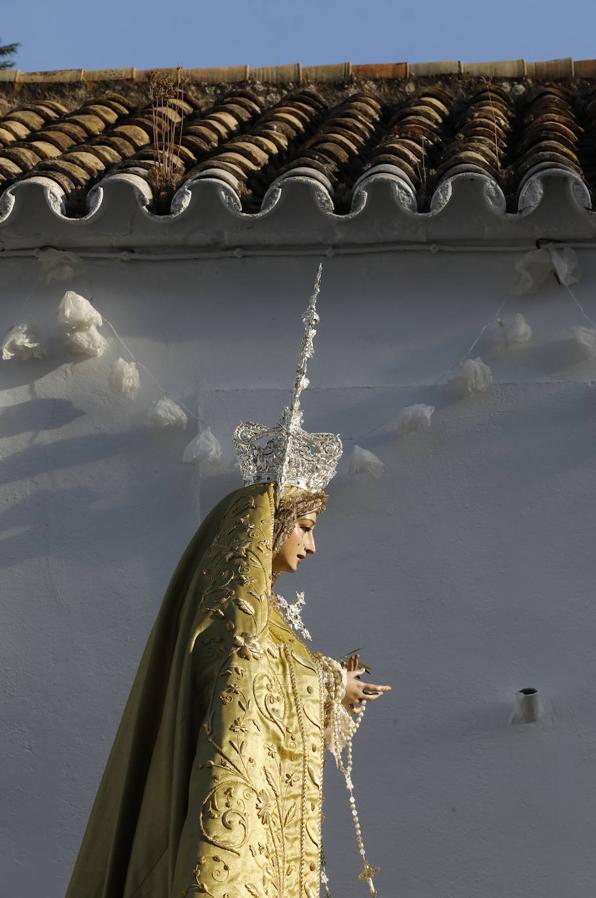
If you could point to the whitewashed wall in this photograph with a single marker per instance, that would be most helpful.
(465, 574)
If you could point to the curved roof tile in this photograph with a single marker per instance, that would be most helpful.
(423, 123)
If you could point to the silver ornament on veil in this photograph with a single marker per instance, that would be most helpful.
(292, 611)
(287, 454)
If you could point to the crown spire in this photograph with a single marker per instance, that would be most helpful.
(286, 454)
(311, 319)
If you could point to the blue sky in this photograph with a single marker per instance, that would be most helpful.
(114, 33)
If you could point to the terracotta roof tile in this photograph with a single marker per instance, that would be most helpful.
(335, 124)
(250, 160)
(414, 127)
(482, 136)
(549, 133)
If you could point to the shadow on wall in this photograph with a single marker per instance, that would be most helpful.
(26, 417)
(116, 489)
(21, 373)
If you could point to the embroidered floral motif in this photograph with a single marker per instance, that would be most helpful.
(264, 806)
(237, 726)
(247, 646)
(228, 694)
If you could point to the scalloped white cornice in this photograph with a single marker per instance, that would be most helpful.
(297, 211)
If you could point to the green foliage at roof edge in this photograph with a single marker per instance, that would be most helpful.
(7, 50)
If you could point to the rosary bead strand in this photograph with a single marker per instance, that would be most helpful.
(324, 877)
(367, 872)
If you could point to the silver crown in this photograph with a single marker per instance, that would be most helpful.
(286, 454)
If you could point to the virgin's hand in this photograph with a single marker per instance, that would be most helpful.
(358, 690)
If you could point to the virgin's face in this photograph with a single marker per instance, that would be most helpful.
(299, 544)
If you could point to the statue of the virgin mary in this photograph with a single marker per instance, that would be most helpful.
(213, 786)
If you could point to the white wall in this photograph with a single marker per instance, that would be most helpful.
(465, 574)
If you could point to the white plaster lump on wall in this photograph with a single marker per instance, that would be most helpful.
(363, 461)
(81, 320)
(23, 341)
(167, 414)
(473, 376)
(77, 313)
(584, 340)
(125, 378)
(414, 418)
(513, 331)
(204, 448)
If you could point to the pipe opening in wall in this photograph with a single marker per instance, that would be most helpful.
(527, 707)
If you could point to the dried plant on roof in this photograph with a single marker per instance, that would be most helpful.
(167, 115)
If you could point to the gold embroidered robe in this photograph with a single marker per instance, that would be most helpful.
(214, 783)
